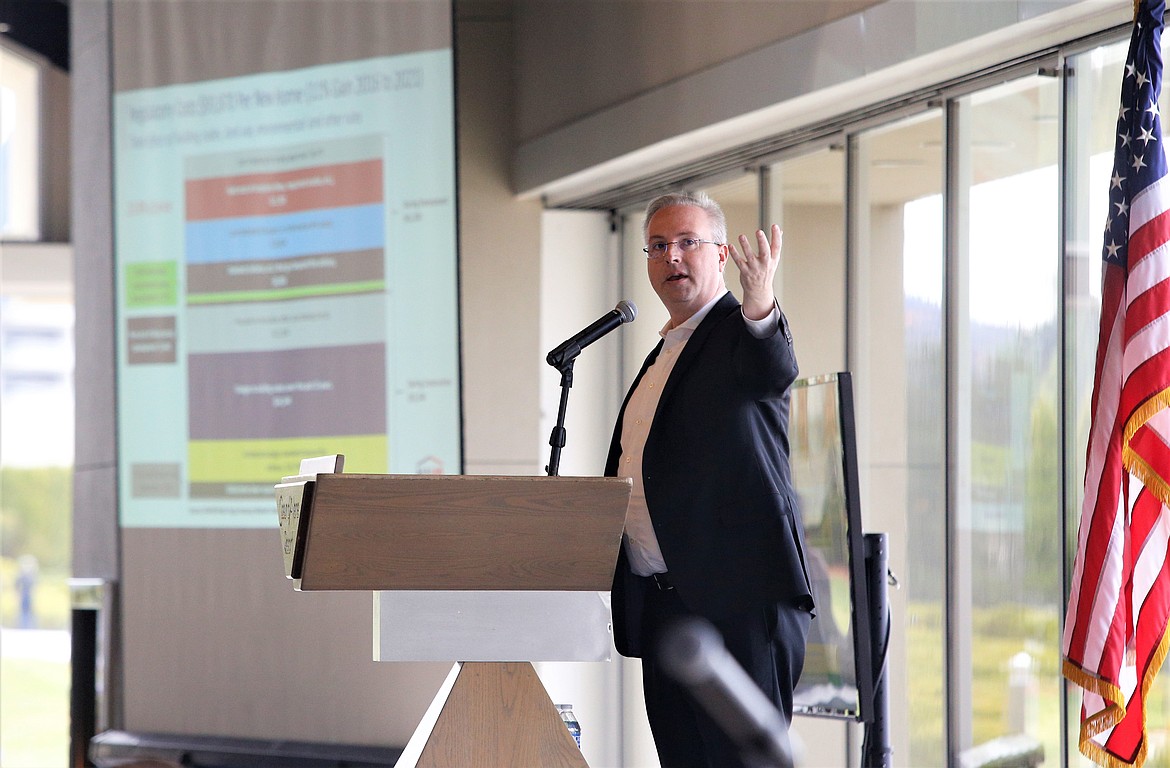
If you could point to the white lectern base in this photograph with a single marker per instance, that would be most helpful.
(492, 626)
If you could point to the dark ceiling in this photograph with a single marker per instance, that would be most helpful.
(41, 26)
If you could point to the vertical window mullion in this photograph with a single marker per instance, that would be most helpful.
(958, 429)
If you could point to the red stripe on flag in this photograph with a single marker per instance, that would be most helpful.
(1096, 549)
(1151, 235)
(1148, 380)
(1147, 307)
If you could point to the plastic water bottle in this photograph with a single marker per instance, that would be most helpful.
(570, 720)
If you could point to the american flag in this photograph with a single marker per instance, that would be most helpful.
(1115, 633)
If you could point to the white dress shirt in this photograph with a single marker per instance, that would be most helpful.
(641, 544)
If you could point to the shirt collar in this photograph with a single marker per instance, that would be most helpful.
(684, 329)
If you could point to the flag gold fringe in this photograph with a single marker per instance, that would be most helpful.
(1101, 721)
(1151, 479)
(1115, 711)
(1157, 484)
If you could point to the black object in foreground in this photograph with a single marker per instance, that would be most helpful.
(694, 654)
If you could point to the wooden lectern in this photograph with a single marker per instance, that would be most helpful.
(438, 548)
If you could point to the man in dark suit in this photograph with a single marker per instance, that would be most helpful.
(713, 529)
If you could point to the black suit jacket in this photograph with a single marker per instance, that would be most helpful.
(717, 479)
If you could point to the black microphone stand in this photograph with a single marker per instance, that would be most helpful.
(557, 438)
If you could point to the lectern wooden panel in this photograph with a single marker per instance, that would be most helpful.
(407, 532)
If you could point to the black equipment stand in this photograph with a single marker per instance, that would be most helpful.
(875, 748)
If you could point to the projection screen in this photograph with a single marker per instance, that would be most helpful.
(286, 267)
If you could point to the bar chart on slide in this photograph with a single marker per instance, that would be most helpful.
(285, 257)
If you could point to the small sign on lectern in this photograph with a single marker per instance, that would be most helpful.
(292, 496)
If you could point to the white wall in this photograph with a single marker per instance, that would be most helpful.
(579, 280)
(499, 266)
(813, 294)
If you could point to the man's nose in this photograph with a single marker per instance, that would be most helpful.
(674, 252)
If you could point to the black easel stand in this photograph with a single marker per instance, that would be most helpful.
(557, 438)
(875, 748)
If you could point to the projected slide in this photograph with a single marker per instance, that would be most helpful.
(287, 284)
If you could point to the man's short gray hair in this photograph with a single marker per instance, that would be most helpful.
(697, 199)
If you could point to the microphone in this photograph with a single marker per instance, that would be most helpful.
(624, 312)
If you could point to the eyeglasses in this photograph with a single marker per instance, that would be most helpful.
(686, 245)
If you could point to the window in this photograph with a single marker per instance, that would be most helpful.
(1006, 597)
(898, 357)
(19, 147)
